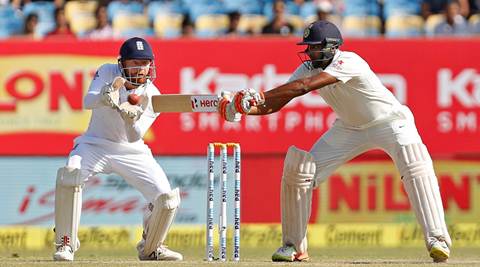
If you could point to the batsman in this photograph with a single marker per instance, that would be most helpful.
(368, 117)
(114, 143)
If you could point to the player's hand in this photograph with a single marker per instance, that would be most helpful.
(226, 108)
(245, 99)
(110, 94)
(130, 113)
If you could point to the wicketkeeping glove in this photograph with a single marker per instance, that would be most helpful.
(110, 94)
(130, 113)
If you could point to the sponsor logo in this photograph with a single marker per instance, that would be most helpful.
(140, 45)
(462, 88)
(204, 103)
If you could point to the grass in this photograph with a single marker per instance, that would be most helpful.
(250, 257)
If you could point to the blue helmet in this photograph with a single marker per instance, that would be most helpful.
(136, 48)
(321, 32)
(326, 36)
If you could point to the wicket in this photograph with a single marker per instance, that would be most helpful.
(222, 223)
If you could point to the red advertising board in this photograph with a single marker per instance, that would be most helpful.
(42, 83)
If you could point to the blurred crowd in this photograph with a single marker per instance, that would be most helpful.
(88, 19)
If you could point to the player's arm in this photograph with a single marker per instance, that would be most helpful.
(278, 97)
(94, 98)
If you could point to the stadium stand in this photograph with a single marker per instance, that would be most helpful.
(404, 26)
(116, 8)
(361, 8)
(243, 6)
(474, 22)
(401, 8)
(252, 23)
(432, 22)
(361, 26)
(164, 7)
(198, 8)
(129, 25)
(80, 8)
(11, 21)
(80, 25)
(168, 25)
(356, 18)
(81, 16)
(211, 25)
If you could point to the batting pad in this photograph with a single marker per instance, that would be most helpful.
(296, 197)
(68, 206)
(163, 213)
(423, 192)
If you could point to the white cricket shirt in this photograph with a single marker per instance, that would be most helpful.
(106, 126)
(359, 99)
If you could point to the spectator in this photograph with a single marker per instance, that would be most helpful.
(30, 25)
(188, 28)
(324, 10)
(279, 24)
(233, 20)
(62, 28)
(465, 7)
(16, 4)
(454, 24)
(103, 30)
(474, 6)
(430, 7)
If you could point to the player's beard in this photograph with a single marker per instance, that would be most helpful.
(138, 80)
(135, 79)
(322, 64)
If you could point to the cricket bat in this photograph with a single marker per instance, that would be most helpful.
(184, 103)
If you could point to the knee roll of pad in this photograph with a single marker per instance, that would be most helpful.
(416, 161)
(170, 200)
(299, 168)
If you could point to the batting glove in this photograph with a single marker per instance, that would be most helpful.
(226, 108)
(244, 100)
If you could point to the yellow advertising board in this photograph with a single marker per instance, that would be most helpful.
(252, 236)
(51, 87)
(371, 191)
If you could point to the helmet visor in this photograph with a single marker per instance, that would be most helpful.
(316, 55)
(138, 74)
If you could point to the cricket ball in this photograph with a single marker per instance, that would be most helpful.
(133, 99)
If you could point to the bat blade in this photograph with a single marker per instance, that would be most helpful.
(184, 103)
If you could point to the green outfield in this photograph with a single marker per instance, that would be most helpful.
(251, 257)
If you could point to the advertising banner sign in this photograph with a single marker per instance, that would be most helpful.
(42, 84)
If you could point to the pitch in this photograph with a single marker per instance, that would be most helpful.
(251, 258)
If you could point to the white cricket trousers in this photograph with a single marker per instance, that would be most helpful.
(139, 170)
(342, 143)
(398, 138)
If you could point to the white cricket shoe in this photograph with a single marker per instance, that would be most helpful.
(439, 251)
(64, 253)
(288, 253)
(165, 254)
(162, 254)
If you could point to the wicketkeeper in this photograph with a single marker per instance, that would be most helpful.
(114, 143)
